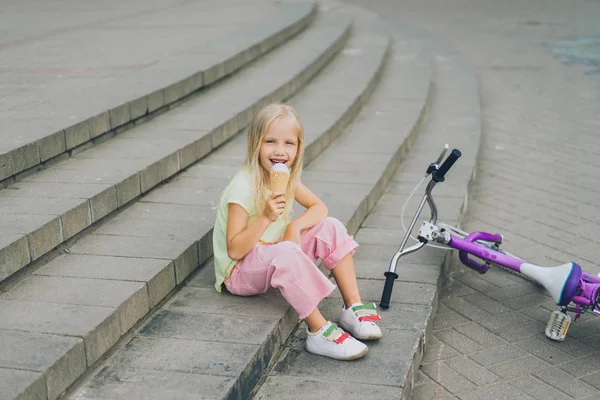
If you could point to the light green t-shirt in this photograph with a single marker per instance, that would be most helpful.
(238, 191)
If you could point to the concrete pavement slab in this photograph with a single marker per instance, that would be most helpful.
(155, 385)
(129, 298)
(98, 326)
(60, 358)
(14, 254)
(308, 388)
(158, 274)
(19, 384)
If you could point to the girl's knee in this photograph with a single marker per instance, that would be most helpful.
(287, 246)
(333, 224)
(286, 250)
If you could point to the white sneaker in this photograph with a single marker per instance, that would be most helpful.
(331, 341)
(359, 319)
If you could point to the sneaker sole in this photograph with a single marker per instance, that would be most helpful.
(349, 358)
(368, 337)
(375, 337)
(356, 356)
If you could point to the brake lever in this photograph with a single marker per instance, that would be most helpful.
(436, 164)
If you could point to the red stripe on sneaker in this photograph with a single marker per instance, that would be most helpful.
(342, 337)
(369, 318)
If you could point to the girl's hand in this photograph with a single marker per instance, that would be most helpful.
(292, 233)
(274, 207)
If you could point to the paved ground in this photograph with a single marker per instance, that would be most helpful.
(538, 68)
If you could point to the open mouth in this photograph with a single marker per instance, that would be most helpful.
(277, 160)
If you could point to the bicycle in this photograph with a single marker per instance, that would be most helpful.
(572, 289)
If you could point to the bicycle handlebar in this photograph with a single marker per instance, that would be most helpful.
(439, 175)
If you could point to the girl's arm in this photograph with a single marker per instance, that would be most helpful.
(315, 212)
(242, 238)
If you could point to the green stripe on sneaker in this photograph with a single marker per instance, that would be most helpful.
(370, 306)
(330, 330)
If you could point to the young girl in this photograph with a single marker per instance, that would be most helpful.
(257, 247)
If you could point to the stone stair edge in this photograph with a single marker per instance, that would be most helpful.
(17, 253)
(44, 151)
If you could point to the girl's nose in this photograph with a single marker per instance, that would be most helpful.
(279, 150)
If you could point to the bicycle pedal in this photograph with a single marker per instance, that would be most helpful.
(557, 326)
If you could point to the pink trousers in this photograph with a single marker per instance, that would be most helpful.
(292, 269)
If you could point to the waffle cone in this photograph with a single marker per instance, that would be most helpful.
(279, 181)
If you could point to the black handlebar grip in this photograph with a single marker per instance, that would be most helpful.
(387, 289)
(438, 175)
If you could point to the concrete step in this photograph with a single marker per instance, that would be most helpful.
(83, 302)
(92, 99)
(185, 341)
(388, 371)
(51, 206)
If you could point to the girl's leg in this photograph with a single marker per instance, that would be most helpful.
(345, 277)
(330, 242)
(315, 321)
(286, 267)
(251, 277)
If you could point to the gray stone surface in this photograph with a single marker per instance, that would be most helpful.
(129, 246)
(155, 385)
(198, 356)
(145, 227)
(159, 275)
(22, 385)
(52, 145)
(103, 203)
(98, 326)
(14, 254)
(60, 190)
(129, 298)
(188, 324)
(60, 358)
(77, 134)
(310, 388)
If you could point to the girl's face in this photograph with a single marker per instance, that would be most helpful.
(280, 144)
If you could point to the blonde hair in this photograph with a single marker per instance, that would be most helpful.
(257, 130)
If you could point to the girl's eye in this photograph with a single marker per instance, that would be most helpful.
(269, 141)
(291, 143)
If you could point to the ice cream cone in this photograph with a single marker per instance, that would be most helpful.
(280, 176)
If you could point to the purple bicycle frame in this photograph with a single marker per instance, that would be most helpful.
(588, 283)
(468, 246)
